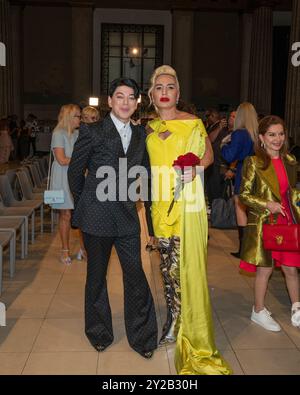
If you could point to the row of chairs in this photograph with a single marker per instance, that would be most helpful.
(21, 200)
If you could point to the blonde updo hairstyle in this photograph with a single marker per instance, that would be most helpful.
(162, 70)
(90, 112)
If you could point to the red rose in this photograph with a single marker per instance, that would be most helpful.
(187, 160)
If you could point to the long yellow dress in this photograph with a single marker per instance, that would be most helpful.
(196, 352)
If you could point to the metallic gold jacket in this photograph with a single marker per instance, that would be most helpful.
(257, 188)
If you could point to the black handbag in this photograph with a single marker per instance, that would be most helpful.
(222, 214)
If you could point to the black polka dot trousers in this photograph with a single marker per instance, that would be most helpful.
(139, 311)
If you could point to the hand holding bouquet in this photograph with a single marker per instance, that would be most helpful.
(184, 166)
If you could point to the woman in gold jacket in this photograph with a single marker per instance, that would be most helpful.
(268, 183)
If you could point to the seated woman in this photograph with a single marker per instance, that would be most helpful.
(267, 187)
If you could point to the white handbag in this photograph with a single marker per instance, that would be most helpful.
(52, 196)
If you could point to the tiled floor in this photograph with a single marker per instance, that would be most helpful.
(45, 335)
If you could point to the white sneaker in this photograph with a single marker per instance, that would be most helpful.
(264, 319)
(295, 318)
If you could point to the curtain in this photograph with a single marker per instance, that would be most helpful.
(6, 81)
(292, 104)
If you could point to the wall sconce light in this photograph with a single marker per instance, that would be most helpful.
(2, 54)
(134, 51)
(94, 101)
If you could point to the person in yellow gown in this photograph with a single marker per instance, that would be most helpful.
(181, 231)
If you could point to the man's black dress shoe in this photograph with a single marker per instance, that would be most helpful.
(99, 347)
(147, 354)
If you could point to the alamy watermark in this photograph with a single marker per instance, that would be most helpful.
(133, 184)
(2, 54)
(296, 56)
(2, 314)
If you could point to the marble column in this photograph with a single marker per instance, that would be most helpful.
(292, 103)
(260, 81)
(82, 53)
(246, 22)
(6, 89)
(182, 50)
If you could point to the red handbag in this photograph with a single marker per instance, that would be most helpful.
(280, 237)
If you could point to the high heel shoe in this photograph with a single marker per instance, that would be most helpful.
(81, 255)
(66, 260)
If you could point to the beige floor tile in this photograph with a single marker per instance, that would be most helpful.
(34, 268)
(131, 363)
(6, 283)
(274, 362)
(72, 283)
(58, 363)
(115, 283)
(19, 335)
(26, 305)
(67, 306)
(230, 283)
(77, 267)
(40, 284)
(221, 339)
(171, 356)
(12, 363)
(232, 360)
(245, 334)
(224, 299)
(62, 335)
(283, 316)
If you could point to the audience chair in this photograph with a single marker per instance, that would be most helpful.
(25, 186)
(26, 212)
(9, 201)
(7, 237)
(44, 164)
(18, 224)
(35, 189)
(38, 182)
(30, 195)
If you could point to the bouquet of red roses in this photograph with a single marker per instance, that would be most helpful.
(187, 160)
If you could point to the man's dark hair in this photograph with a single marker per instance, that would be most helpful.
(124, 81)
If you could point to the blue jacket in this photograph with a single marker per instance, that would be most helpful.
(239, 148)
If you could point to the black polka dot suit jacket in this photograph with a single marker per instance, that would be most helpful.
(99, 144)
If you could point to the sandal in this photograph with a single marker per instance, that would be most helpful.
(295, 318)
(81, 255)
(66, 260)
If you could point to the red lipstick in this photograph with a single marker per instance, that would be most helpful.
(164, 99)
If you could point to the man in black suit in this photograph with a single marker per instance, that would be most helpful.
(107, 218)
